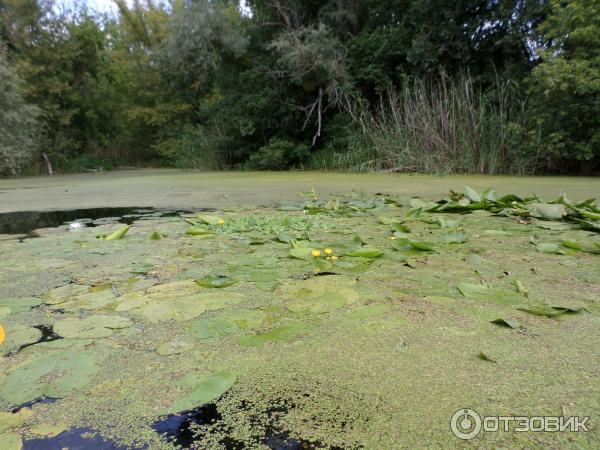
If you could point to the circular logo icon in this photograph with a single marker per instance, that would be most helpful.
(465, 424)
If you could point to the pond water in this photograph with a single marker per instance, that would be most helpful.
(25, 222)
(321, 321)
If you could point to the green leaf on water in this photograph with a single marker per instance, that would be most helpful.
(11, 421)
(472, 195)
(549, 211)
(18, 335)
(11, 441)
(304, 253)
(485, 357)
(91, 327)
(204, 389)
(492, 295)
(174, 347)
(176, 308)
(210, 328)
(115, 235)
(455, 237)
(550, 248)
(414, 213)
(17, 305)
(219, 300)
(197, 231)
(246, 318)
(405, 245)
(156, 236)
(365, 252)
(284, 333)
(399, 227)
(520, 288)
(53, 375)
(551, 311)
(210, 219)
(510, 323)
(495, 233)
(215, 281)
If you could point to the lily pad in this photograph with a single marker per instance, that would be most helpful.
(11, 441)
(405, 245)
(173, 289)
(53, 375)
(11, 421)
(204, 388)
(488, 294)
(284, 333)
(219, 300)
(177, 308)
(455, 237)
(17, 305)
(319, 295)
(63, 293)
(49, 429)
(246, 318)
(91, 327)
(215, 281)
(173, 347)
(210, 328)
(18, 335)
(366, 252)
(304, 253)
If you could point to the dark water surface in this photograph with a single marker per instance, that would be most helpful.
(24, 222)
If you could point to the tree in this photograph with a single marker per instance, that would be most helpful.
(18, 122)
(565, 86)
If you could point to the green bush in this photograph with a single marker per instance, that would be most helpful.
(86, 162)
(195, 147)
(278, 154)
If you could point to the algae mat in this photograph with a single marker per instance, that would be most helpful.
(350, 321)
(182, 189)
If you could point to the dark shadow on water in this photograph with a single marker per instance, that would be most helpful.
(24, 222)
(179, 429)
(37, 401)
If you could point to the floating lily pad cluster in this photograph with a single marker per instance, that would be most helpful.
(222, 297)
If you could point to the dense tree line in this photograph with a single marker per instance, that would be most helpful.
(429, 85)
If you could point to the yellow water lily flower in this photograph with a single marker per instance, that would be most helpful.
(334, 257)
(2, 334)
(221, 221)
(393, 238)
(328, 251)
(316, 253)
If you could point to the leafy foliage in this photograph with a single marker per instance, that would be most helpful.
(402, 85)
(18, 121)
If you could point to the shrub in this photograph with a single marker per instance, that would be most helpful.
(278, 154)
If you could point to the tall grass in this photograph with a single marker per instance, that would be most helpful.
(445, 126)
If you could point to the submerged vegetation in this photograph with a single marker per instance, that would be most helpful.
(314, 322)
(404, 85)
